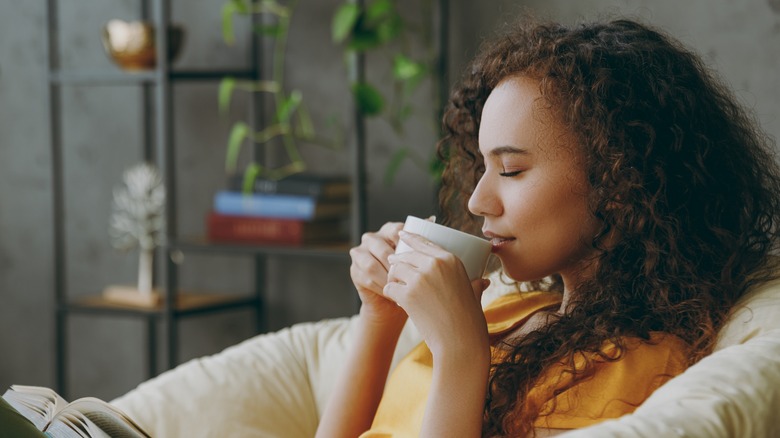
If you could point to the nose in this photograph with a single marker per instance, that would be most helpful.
(483, 201)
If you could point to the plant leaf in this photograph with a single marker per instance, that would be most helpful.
(250, 175)
(395, 163)
(405, 68)
(368, 99)
(288, 106)
(238, 134)
(226, 87)
(344, 21)
(228, 9)
(305, 127)
(379, 10)
(271, 7)
(436, 168)
(389, 28)
(363, 40)
(241, 6)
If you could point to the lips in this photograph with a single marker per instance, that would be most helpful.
(497, 241)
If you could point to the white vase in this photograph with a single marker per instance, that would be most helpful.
(145, 260)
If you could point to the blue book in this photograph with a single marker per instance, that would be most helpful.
(278, 206)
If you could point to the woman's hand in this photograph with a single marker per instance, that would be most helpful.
(369, 273)
(356, 395)
(432, 286)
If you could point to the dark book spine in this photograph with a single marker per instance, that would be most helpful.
(304, 187)
(239, 229)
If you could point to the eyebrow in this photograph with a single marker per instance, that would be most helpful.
(508, 150)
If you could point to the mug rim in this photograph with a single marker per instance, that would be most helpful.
(440, 226)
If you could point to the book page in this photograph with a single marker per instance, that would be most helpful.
(31, 408)
(102, 415)
(111, 427)
(90, 429)
(74, 424)
(40, 398)
(66, 427)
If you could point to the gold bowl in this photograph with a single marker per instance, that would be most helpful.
(131, 44)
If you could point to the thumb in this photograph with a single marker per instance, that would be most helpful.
(479, 286)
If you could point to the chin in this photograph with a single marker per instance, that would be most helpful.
(520, 275)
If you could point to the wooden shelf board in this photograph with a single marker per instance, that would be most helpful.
(201, 243)
(117, 76)
(184, 302)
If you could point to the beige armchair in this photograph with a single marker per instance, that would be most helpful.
(276, 384)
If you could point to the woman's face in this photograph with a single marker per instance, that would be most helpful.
(533, 193)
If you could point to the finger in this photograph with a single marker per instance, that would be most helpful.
(389, 232)
(378, 247)
(402, 272)
(420, 243)
(367, 270)
(366, 267)
(411, 258)
(479, 286)
(364, 281)
(392, 290)
(425, 254)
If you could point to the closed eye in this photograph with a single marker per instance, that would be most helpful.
(511, 174)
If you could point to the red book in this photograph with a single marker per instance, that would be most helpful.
(272, 231)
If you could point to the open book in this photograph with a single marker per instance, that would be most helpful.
(86, 417)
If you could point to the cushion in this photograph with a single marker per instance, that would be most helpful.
(272, 385)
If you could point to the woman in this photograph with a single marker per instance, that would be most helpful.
(613, 172)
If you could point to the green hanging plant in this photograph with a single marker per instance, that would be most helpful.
(358, 29)
(377, 25)
(291, 122)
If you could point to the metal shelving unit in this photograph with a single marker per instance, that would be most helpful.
(159, 148)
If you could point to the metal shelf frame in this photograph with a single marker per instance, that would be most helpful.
(159, 148)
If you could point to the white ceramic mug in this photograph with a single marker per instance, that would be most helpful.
(471, 250)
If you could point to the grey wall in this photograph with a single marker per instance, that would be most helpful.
(739, 39)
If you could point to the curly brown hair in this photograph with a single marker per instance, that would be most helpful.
(677, 169)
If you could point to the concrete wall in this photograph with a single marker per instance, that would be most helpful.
(740, 39)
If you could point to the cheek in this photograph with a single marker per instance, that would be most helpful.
(557, 218)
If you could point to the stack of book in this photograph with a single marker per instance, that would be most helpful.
(297, 210)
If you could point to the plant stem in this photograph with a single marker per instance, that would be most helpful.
(280, 49)
(269, 133)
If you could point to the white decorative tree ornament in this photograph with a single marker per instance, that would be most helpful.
(138, 221)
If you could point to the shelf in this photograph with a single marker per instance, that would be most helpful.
(159, 147)
(114, 77)
(201, 244)
(186, 304)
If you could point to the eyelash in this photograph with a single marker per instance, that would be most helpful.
(511, 174)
